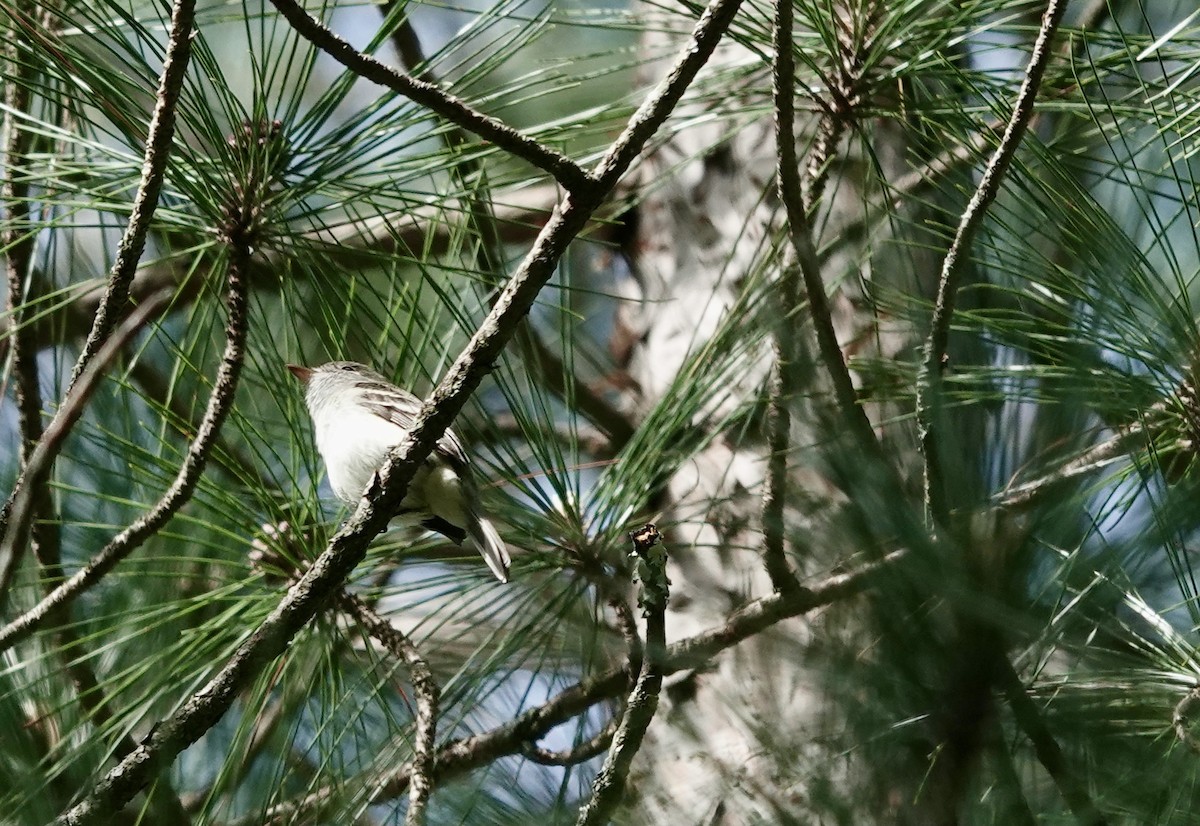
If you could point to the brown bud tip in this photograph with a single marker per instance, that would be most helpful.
(302, 373)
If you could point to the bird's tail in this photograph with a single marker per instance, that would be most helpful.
(490, 546)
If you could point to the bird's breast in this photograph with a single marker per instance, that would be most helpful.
(354, 443)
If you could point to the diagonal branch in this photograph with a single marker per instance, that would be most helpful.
(472, 180)
(348, 546)
(934, 352)
(1029, 720)
(428, 696)
(568, 173)
(180, 491)
(18, 238)
(159, 140)
(116, 296)
(461, 756)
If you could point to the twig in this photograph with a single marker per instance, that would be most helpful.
(957, 256)
(592, 747)
(609, 785)
(180, 491)
(461, 756)
(800, 236)
(568, 173)
(428, 696)
(159, 140)
(634, 653)
(1094, 458)
(116, 296)
(783, 372)
(1029, 720)
(784, 385)
(348, 546)
(18, 241)
(72, 408)
(67, 642)
(472, 180)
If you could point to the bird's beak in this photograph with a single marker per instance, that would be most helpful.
(302, 373)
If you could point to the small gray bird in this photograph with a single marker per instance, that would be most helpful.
(359, 416)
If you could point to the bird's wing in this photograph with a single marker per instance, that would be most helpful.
(400, 408)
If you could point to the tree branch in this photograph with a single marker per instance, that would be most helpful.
(461, 756)
(651, 566)
(957, 256)
(568, 173)
(1029, 720)
(159, 140)
(785, 382)
(472, 180)
(428, 696)
(348, 546)
(116, 296)
(18, 239)
(72, 408)
(180, 491)
(783, 371)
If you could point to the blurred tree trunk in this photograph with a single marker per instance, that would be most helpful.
(751, 737)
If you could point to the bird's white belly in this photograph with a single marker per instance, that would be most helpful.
(354, 445)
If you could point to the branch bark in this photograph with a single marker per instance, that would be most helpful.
(116, 296)
(609, 785)
(957, 256)
(461, 756)
(348, 546)
(564, 170)
(428, 696)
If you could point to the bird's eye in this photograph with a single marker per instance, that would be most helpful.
(348, 368)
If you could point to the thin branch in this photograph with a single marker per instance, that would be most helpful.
(609, 786)
(783, 372)
(67, 642)
(800, 236)
(472, 180)
(120, 546)
(461, 756)
(69, 412)
(428, 696)
(1093, 459)
(348, 546)
(568, 173)
(18, 240)
(116, 297)
(581, 753)
(785, 381)
(634, 652)
(957, 256)
(1029, 720)
(159, 140)
(713, 22)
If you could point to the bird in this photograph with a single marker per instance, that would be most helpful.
(358, 417)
